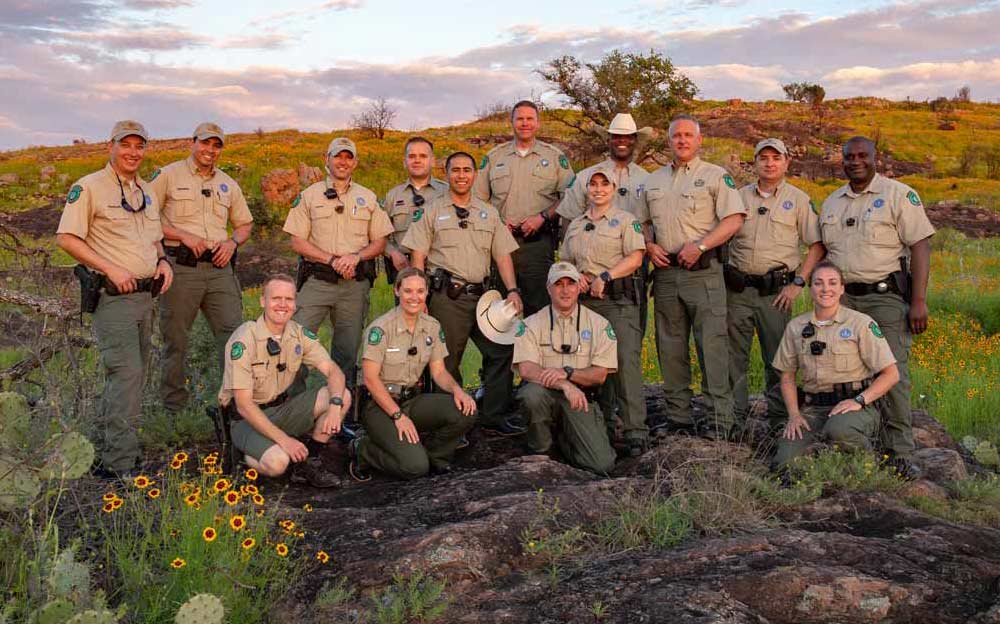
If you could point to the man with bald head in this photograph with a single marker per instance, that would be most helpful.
(877, 232)
(691, 208)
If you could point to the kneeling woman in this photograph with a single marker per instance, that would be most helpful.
(408, 432)
(846, 365)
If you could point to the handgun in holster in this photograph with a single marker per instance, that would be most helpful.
(440, 279)
(90, 288)
(904, 279)
(185, 257)
(301, 273)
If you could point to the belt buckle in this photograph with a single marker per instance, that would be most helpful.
(882, 287)
(808, 399)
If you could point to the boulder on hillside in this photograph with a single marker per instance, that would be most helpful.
(941, 465)
(8, 178)
(279, 187)
(46, 172)
(309, 175)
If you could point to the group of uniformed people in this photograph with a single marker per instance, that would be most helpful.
(473, 256)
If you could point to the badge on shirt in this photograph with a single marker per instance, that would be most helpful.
(236, 351)
(360, 201)
(878, 203)
(912, 196)
(586, 335)
(614, 223)
(876, 330)
(74, 193)
(309, 333)
(699, 183)
(545, 163)
(224, 187)
(846, 332)
(428, 341)
(298, 198)
(521, 327)
(147, 198)
(610, 331)
(728, 179)
(788, 205)
(484, 162)
(419, 212)
(564, 162)
(483, 214)
(298, 349)
(375, 335)
(154, 175)
(639, 189)
(444, 217)
(441, 334)
(637, 227)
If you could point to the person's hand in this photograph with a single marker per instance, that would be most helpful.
(658, 255)
(532, 224)
(787, 297)
(550, 377)
(295, 449)
(330, 422)
(793, 428)
(597, 286)
(688, 255)
(465, 403)
(223, 252)
(847, 405)
(577, 399)
(585, 281)
(511, 226)
(165, 271)
(516, 300)
(196, 244)
(407, 430)
(399, 261)
(346, 264)
(918, 317)
(123, 279)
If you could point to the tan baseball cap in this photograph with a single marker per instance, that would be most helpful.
(128, 127)
(560, 270)
(207, 130)
(600, 171)
(776, 144)
(341, 144)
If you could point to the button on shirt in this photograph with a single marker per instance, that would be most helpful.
(615, 235)
(389, 342)
(771, 240)
(359, 221)
(593, 343)
(855, 350)
(181, 192)
(523, 186)
(631, 178)
(867, 233)
(94, 213)
(686, 202)
(250, 367)
(400, 207)
(464, 252)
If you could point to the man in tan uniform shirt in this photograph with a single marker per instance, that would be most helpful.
(338, 229)
(525, 179)
(564, 352)
(198, 201)
(872, 227)
(402, 201)
(765, 274)
(263, 359)
(460, 235)
(112, 225)
(693, 208)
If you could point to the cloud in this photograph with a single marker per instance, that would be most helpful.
(269, 41)
(919, 80)
(158, 38)
(330, 5)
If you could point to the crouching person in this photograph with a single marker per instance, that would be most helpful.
(564, 352)
(408, 432)
(262, 359)
(846, 365)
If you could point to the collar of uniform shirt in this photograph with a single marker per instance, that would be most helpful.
(837, 318)
(533, 148)
(875, 186)
(193, 167)
(263, 331)
(777, 189)
(330, 184)
(688, 166)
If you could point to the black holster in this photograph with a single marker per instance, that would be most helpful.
(735, 279)
(301, 273)
(440, 279)
(90, 288)
(904, 280)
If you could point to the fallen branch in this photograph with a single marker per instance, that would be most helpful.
(51, 307)
(35, 360)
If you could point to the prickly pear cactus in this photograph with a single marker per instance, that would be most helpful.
(70, 457)
(54, 612)
(69, 579)
(18, 485)
(94, 617)
(201, 609)
(986, 454)
(15, 420)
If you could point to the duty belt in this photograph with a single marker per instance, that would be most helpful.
(621, 288)
(400, 392)
(840, 392)
(206, 256)
(767, 284)
(278, 400)
(860, 289)
(146, 284)
(704, 260)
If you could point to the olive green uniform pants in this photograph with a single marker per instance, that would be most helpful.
(214, 291)
(853, 430)
(581, 436)
(685, 302)
(123, 325)
(294, 417)
(458, 320)
(749, 312)
(346, 304)
(439, 424)
(531, 266)
(892, 315)
(624, 387)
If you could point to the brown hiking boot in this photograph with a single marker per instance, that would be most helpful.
(313, 472)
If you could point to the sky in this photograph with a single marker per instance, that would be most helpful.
(70, 68)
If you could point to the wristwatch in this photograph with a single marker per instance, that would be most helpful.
(861, 400)
(569, 371)
(339, 402)
(702, 248)
(235, 242)
(606, 276)
(799, 281)
(514, 290)
(396, 415)
(161, 259)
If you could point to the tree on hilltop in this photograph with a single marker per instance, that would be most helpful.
(375, 119)
(804, 92)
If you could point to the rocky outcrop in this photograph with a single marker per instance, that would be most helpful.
(279, 187)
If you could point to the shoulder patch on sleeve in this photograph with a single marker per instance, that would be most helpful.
(485, 161)
(610, 331)
(563, 162)
(521, 328)
(309, 333)
(298, 198)
(876, 330)
(155, 174)
(637, 226)
(571, 182)
(728, 179)
(812, 206)
(375, 335)
(236, 352)
(912, 196)
(74, 193)
(441, 334)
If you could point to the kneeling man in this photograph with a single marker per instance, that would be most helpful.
(262, 359)
(564, 352)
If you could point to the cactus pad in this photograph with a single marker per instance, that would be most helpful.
(201, 609)
(18, 486)
(54, 612)
(71, 455)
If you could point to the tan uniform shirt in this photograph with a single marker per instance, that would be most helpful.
(464, 252)
(687, 202)
(592, 341)
(616, 234)
(522, 186)
(867, 233)
(631, 178)
(250, 367)
(389, 342)
(855, 350)
(95, 214)
(180, 191)
(771, 240)
(400, 207)
(358, 222)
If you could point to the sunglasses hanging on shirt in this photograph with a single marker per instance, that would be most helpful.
(418, 199)
(127, 206)
(463, 214)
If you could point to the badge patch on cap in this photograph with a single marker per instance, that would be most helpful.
(788, 205)
(878, 203)
(224, 187)
(846, 332)
(586, 334)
